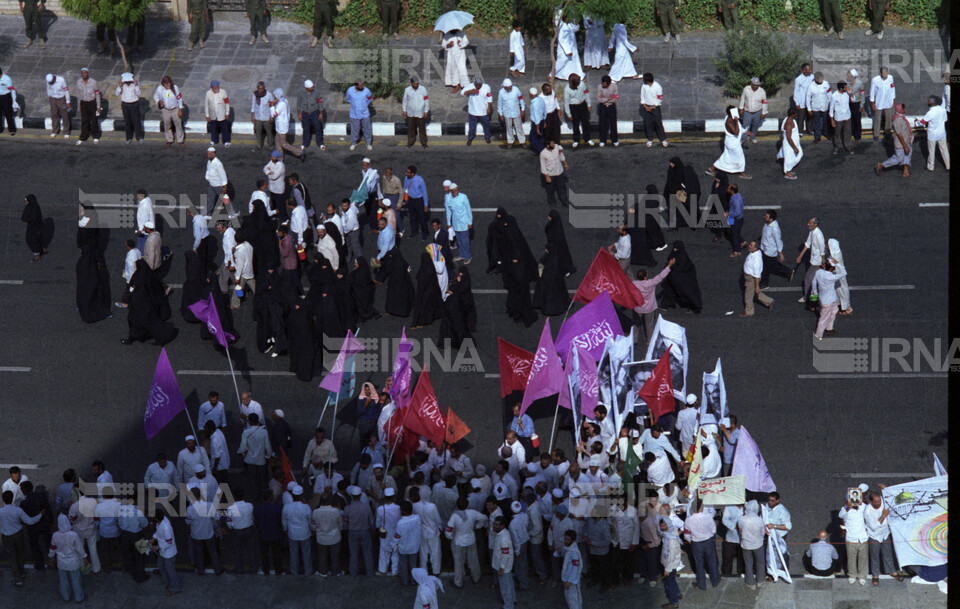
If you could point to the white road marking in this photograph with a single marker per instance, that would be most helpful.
(15, 369)
(240, 372)
(876, 375)
(6, 466)
(483, 210)
(749, 207)
(934, 205)
(883, 475)
(859, 288)
(491, 376)
(11, 281)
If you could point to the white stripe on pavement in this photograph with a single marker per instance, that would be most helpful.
(20, 465)
(15, 369)
(482, 210)
(491, 376)
(240, 372)
(883, 475)
(859, 288)
(11, 281)
(934, 205)
(875, 375)
(749, 207)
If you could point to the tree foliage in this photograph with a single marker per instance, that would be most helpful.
(759, 54)
(115, 14)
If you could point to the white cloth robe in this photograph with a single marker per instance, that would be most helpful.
(519, 56)
(456, 72)
(567, 44)
(622, 62)
(732, 159)
(790, 159)
(594, 51)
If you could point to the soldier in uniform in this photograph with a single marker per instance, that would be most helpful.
(197, 16)
(257, 14)
(730, 11)
(389, 15)
(667, 14)
(323, 11)
(832, 19)
(31, 10)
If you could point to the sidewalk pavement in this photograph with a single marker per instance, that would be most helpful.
(228, 590)
(693, 95)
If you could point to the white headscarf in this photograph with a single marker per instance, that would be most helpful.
(63, 523)
(834, 246)
(426, 588)
(440, 265)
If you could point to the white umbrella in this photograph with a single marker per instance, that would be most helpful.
(454, 20)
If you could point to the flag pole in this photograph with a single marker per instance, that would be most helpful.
(333, 427)
(187, 411)
(324, 410)
(553, 426)
(233, 375)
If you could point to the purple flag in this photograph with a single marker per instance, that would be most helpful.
(589, 382)
(590, 327)
(400, 389)
(546, 372)
(565, 399)
(165, 400)
(749, 463)
(334, 379)
(206, 311)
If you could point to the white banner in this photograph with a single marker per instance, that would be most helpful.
(713, 397)
(667, 333)
(918, 521)
(722, 491)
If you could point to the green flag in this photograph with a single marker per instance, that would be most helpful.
(630, 465)
(359, 195)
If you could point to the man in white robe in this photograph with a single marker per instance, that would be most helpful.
(568, 57)
(594, 50)
(455, 43)
(518, 51)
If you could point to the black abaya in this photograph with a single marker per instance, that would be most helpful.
(34, 219)
(400, 291)
(194, 285)
(459, 311)
(362, 291)
(515, 281)
(681, 288)
(302, 342)
(148, 307)
(428, 306)
(557, 242)
(719, 190)
(266, 248)
(321, 300)
(93, 280)
(269, 309)
(551, 296)
(691, 184)
(651, 226)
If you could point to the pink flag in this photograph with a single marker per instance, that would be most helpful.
(565, 397)
(206, 311)
(400, 388)
(749, 463)
(332, 381)
(589, 383)
(546, 373)
(165, 400)
(590, 327)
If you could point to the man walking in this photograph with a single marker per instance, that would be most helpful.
(751, 530)
(415, 200)
(752, 275)
(479, 104)
(902, 143)
(323, 20)
(771, 247)
(883, 92)
(818, 100)
(58, 94)
(197, 15)
(607, 96)
(501, 558)
(312, 115)
(824, 285)
(856, 90)
(31, 10)
(538, 115)
(552, 176)
(576, 105)
(651, 98)
(216, 109)
(128, 90)
(217, 182)
(359, 98)
(816, 245)
(622, 249)
(551, 108)
(460, 219)
(840, 118)
(667, 15)
(510, 107)
(416, 109)
(168, 99)
(88, 94)
(281, 124)
(257, 14)
(934, 120)
(12, 535)
(753, 110)
(7, 102)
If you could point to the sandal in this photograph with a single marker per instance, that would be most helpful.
(876, 581)
(898, 577)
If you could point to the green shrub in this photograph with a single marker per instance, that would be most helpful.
(376, 69)
(757, 53)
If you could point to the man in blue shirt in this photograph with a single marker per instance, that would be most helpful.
(359, 98)
(538, 116)
(415, 199)
(385, 240)
(460, 218)
(735, 219)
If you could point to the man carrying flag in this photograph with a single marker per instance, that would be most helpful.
(657, 391)
(605, 274)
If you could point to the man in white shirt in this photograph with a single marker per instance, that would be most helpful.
(165, 545)
(824, 286)
(800, 84)
(58, 94)
(144, 215)
(240, 522)
(687, 423)
(576, 107)
(276, 173)
(163, 476)
(851, 515)
(219, 454)
(752, 272)
(934, 120)
(296, 518)
(752, 109)
(430, 528)
(460, 531)
(351, 228)
(129, 268)
(479, 103)
(406, 541)
(189, 457)
(299, 225)
(816, 245)
(128, 90)
(201, 518)
(216, 109)
(212, 410)
(651, 99)
(255, 450)
(228, 243)
(818, 101)
(823, 557)
(168, 99)
(416, 109)
(659, 470)
(327, 247)
(875, 515)
(622, 248)
(552, 177)
(883, 92)
(840, 118)
(280, 116)
(778, 521)
(243, 272)
(510, 107)
(216, 177)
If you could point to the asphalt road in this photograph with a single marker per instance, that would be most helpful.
(83, 394)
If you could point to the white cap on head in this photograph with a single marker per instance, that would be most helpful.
(634, 433)
(49, 78)
(447, 183)
(534, 90)
(199, 468)
(853, 72)
(574, 492)
(532, 468)
(278, 412)
(188, 438)
(126, 77)
(377, 465)
(515, 507)
(290, 485)
(507, 82)
(308, 84)
(211, 149)
(453, 186)
(691, 399)
(387, 202)
(480, 469)
(500, 491)
(389, 492)
(596, 460)
(150, 224)
(297, 491)
(558, 493)
(863, 488)
(354, 491)
(366, 160)
(475, 484)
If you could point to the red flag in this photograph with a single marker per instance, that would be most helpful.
(515, 365)
(456, 428)
(287, 468)
(657, 391)
(605, 274)
(424, 416)
(402, 441)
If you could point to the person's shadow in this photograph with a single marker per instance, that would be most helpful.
(47, 233)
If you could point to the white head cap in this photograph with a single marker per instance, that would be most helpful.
(211, 149)
(447, 183)
(308, 84)
(389, 492)
(691, 399)
(50, 78)
(853, 72)
(574, 492)
(863, 488)
(188, 438)
(150, 224)
(558, 493)
(453, 186)
(534, 91)
(532, 468)
(297, 491)
(507, 82)
(596, 461)
(278, 412)
(291, 485)
(198, 468)
(515, 507)
(500, 491)
(366, 160)
(475, 484)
